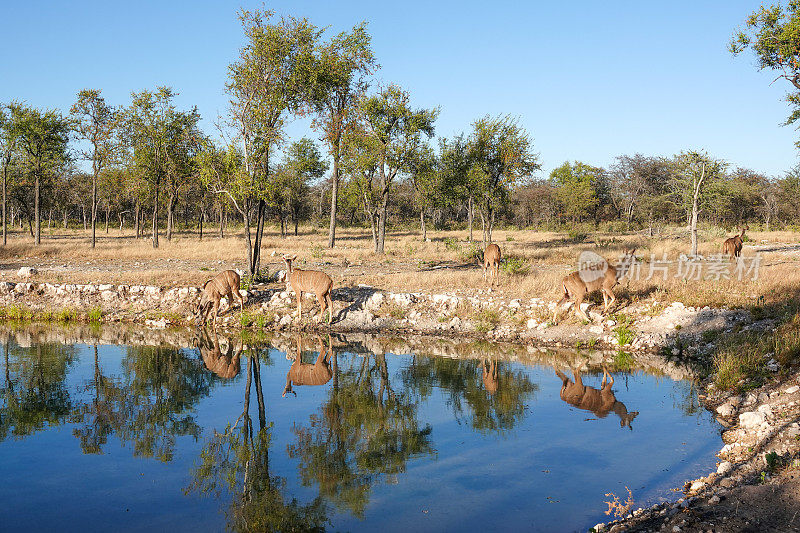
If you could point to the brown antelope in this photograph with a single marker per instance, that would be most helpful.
(491, 262)
(312, 281)
(224, 365)
(224, 284)
(489, 376)
(578, 285)
(301, 373)
(600, 402)
(733, 245)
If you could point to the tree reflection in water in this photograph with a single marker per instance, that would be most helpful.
(149, 406)
(495, 396)
(237, 462)
(364, 430)
(34, 393)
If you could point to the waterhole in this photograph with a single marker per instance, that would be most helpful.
(203, 432)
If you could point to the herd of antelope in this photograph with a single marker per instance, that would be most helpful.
(575, 285)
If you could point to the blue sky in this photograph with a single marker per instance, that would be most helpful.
(589, 80)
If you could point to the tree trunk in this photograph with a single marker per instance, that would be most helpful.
(383, 213)
(202, 214)
(248, 240)
(50, 218)
(173, 198)
(491, 212)
(83, 214)
(470, 211)
(65, 219)
(422, 224)
(221, 220)
(94, 208)
(155, 215)
(137, 218)
(108, 209)
(483, 228)
(5, 203)
(262, 205)
(36, 211)
(695, 200)
(334, 197)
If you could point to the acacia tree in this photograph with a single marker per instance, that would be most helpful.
(301, 164)
(43, 139)
(184, 144)
(454, 172)
(576, 189)
(638, 184)
(337, 81)
(221, 171)
(265, 85)
(773, 34)
(393, 132)
(8, 145)
(95, 122)
(693, 172)
(501, 155)
(426, 179)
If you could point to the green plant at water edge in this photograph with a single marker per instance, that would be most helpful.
(487, 320)
(622, 319)
(514, 265)
(16, 312)
(623, 360)
(246, 319)
(624, 335)
(738, 367)
(261, 321)
(95, 314)
(67, 314)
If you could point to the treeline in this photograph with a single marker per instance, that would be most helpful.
(377, 162)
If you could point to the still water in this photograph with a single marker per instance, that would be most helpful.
(361, 436)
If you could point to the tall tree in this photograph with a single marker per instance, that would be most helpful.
(43, 139)
(337, 82)
(8, 144)
(693, 172)
(394, 131)
(265, 85)
(577, 189)
(302, 163)
(95, 122)
(501, 155)
(773, 34)
(426, 179)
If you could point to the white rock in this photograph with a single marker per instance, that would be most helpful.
(724, 467)
(765, 409)
(697, 485)
(725, 410)
(26, 272)
(792, 389)
(108, 295)
(751, 420)
(105, 287)
(713, 500)
(374, 301)
(532, 323)
(597, 330)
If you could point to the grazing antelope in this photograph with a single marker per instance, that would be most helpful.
(577, 285)
(489, 376)
(313, 281)
(733, 245)
(491, 261)
(301, 373)
(224, 284)
(600, 402)
(224, 365)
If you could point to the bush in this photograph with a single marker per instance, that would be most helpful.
(487, 320)
(514, 265)
(577, 236)
(95, 314)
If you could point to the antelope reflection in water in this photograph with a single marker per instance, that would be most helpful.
(600, 402)
(319, 373)
(490, 381)
(224, 365)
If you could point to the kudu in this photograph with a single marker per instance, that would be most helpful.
(224, 284)
(224, 365)
(312, 281)
(578, 285)
(301, 373)
(733, 245)
(490, 381)
(600, 402)
(491, 262)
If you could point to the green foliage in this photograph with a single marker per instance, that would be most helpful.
(95, 314)
(515, 265)
(317, 251)
(579, 189)
(246, 319)
(738, 367)
(624, 335)
(577, 236)
(486, 320)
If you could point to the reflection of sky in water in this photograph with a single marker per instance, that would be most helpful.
(550, 471)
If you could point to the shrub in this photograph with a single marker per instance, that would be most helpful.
(577, 236)
(487, 320)
(514, 265)
(67, 314)
(95, 314)
(624, 335)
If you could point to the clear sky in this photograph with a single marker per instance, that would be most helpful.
(589, 80)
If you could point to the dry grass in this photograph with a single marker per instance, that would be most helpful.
(445, 263)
